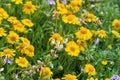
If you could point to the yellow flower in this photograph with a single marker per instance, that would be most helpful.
(84, 34)
(56, 38)
(89, 17)
(21, 47)
(90, 69)
(75, 5)
(45, 73)
(82, 44)
(29, 8)
(102, 34)
(8, 53)
(116, 24)
(107, 78)
(57, 79)
(25, 40)
(61, 8)
(71, 19)
(104, 62)
(18, 26)
(2, 32)
(12, 37)
(27, 22)
(92, 78)
(12, 20)
(116, 34)
(17, 1)
(29, 50)
(72, 48)
(22, 62)
(70, 77)
(3, 14)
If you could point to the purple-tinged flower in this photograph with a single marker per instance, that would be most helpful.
(97, 41)
(64, 2)
(8, 60)
(115, 77)
(82, 21)
(51, 2)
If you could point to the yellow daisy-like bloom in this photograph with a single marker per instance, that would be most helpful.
(17, 1)
(116, 34)
(29, 50)
(72, 48)
(71, 19)
(61, 8)
(92, 78)
(70, 77)
(82, 44)
(25, 40)
(18, 26)
(57, 79)
(8, 53)
(45, 73)
(21, 47)
(116, 24)
(2, 32)
(102, 34)
(22, 62)
(89, 17)
(107, 78)
(29, 8)
(104, 62)
(90, 69)
(27, 22)
(56, 38)
(84, 34)
(75, 5)
(12, 20)
(12, 37)
(3, 14)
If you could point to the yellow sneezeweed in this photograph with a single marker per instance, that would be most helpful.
(61, 8)
(12, 37)
(104, 62)
(116, 34)
(45, 73)
(91, 78)
(27, 22)
(12, 20)
(29, 8)
(107, 78)
(56, 38)
(102, 34)
(24, 40)
(71, 19)
(3, 14)
(18, 26)
(116, 24)
(8, 53)
(17, 1)
(89, 17)
(84, 34)
(70, 77)
(75, 5)
(72, 48)
(29, 50)
(2, 32)
(82, 44)
(22, 62)
(57, 79)
(90, 69)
